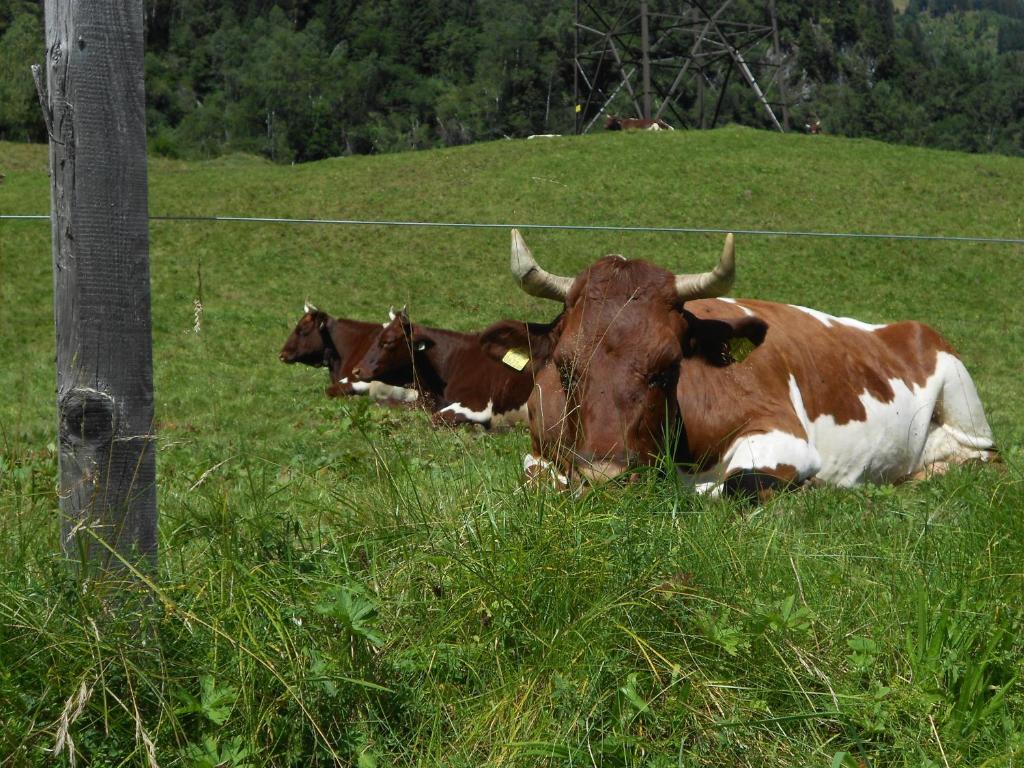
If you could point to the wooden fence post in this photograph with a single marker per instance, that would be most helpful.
(95, 113)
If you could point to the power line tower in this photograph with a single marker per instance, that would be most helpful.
(663, 58)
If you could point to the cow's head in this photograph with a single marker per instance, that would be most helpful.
(309, 342)
(608, 373)
(392, 351)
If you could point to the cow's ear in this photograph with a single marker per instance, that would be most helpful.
(517, 343)
(421, 343)
(722, 342)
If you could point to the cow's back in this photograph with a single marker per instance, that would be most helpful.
(867, 399)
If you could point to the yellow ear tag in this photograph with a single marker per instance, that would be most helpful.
(516, 358)
(739, 348)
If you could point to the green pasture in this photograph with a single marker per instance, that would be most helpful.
(339, 584)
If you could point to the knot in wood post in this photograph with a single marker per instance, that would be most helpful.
(88, 419)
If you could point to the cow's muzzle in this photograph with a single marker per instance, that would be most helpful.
(599, 472)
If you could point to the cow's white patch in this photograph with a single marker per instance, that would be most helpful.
(769, 450)
(830, 320)
(479, 417)
(361, 387)
(746, 310)
(940, 420)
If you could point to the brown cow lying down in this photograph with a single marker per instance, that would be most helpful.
(615, 123)
(335, 343)
(641, 359)
(461, 382)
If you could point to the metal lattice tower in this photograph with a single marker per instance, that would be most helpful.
(647, 55)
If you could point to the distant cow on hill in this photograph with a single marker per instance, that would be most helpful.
(463, 383)
(335, 343)
(615, 123)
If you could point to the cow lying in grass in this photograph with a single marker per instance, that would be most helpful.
(335, 343)
(616, 123)
(642, 359)
(460, 382)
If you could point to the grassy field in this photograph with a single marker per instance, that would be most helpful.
(341, 585)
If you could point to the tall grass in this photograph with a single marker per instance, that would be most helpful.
(454, 618)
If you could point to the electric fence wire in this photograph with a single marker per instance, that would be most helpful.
(571, 227)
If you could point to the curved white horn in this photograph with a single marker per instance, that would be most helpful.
(707, 285)
(309, 307)
(532, 279)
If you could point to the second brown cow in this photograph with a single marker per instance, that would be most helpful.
(462, 383)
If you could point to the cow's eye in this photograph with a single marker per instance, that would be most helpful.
(565, 376)
(660, 380)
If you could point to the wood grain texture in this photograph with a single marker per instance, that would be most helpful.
(99, 204)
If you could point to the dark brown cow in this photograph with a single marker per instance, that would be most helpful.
(336, 343)
(615, 123)
(642, 360)
(465, 384)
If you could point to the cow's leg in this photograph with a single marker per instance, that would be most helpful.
(539, 470)
(390, 395)
(760, 464)
(337, 389)
(455, 414)
(960, 432)
(759, 485)
(344, 387)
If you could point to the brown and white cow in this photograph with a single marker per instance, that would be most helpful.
(642, 360)
(461, 381)
(615, 123)
(321, 341)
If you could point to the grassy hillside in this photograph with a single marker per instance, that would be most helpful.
(340, 584)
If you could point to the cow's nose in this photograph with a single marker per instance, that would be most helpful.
(283, 357)
(598, 472)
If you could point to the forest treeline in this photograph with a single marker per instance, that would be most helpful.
(298, 80)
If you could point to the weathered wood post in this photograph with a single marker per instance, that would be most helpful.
(95, 113)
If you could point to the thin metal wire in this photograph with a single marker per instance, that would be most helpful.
(576, 227)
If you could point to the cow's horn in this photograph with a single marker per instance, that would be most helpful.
(707, 285)
(309, 307)
(532, 279)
